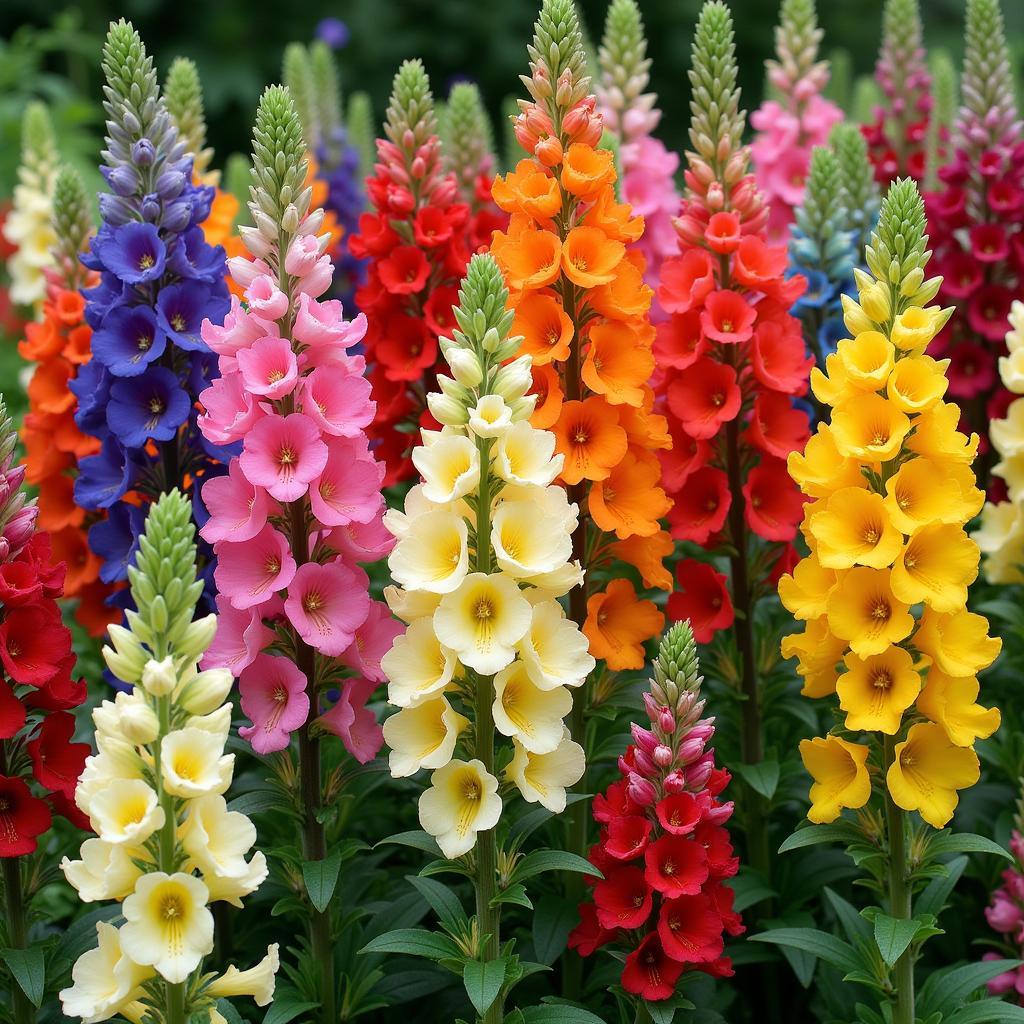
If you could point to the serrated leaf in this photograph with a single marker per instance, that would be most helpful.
(820, 944)
(552, 860)
(762, 777)
(893, 935)
(442, 901)
(414, 942)
(29, 969)
(483, 982)
(812, 835)
(321, 879)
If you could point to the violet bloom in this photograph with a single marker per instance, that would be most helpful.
(152, 405)
(134, 252)
(334, 32)
(129, 341)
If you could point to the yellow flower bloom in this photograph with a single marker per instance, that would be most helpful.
(483, 620)
(450, 467)
(957, 642)
(194, 763)
(433, 555)
(417, 667)
(544, 778)
(820, 469)
(525, 455)
(915, 327)
(869, 428)
(216, 839)
(839, 770)
(525, 542)
(258, 981)
(854, 529)
(867, 360)
(927, 772)
(874, 298)
(865, 612)
(462, 800)
(936, 436)
(490, 417)
(804, 594)
(916, 384)
(526, 712)
(874, 692)
(126, 812)
(953, 704)
(833, 386)
(106, 871)
(854, 316)
(104, 979)
(923, 492)
(553, 650)
(410, 605)
(422, 736)
(937, 566)
(818, 653)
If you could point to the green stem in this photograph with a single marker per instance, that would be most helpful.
(643, 1015)
(899, 897)
(17, 932)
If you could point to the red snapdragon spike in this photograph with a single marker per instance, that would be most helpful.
(690, 929)
(613, 802)
(679, 813)
(23, 817)
(705, 397)
(627, 837)
(702, 597)
(56, 761)
(650, 972)
(623, 898)
(33, 642)
(12, 712)
(676, 866)
(590, 935)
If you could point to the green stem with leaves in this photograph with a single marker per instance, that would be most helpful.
(899, 896)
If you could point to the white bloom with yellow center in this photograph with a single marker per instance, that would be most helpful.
(450, 468)
(217, 839)
(526, 542)
(231, 888)
(544, 778)
(410, 605)
(528, 713)
(106, 871)
(462, 800)
(104, 980)
(554, 651)
(105, 769)
(126, 812)
(526, 455)
(398, 521)
(556, 584)
(257, 982)
(490, 417)
(422, 736)
(433, 555)
(194, 764)
(168, 924)
(483, 620)
(417, 667)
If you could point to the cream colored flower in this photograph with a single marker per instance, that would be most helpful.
(490, 417)
(257, 982)
(217, 839)
(433, 555)
(104, 980)
(530, 714)
(527, 456)
(231, 888)
(554, 651)
(526, 542)
(126, 812)
(450, 468)
(105, 872)
(462, 800)
(194, 763)
(544, 778)
(417, 667)
(422, 736)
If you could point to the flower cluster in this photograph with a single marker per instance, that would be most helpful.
(896, 137)
(29, 225)
(54, 445)
(300, 507)
(1005, 915)
(883, 591)
(825, 239)
(799, 119)
(977, 221)
(731, 355)
(37, 691)
(1001, 532)
(483, 554)
(416, 243)
(664, 851)
(648, 167)
(159, 279)
(166, 845)
(582, 308)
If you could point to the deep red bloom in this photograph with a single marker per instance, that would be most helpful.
(701, 506)
(33, 641)
(60, 692)
(19, 584)
(988, 311)
(705, 397)
(687, 455)
(690, 929)
(972, 369)
(627, 837)
(376, 237)
(12, 712)
(405, 271)
(961, 274)
(675, 866)
(703, 598)
(723, 897)
(776, 427)
(720, 859)
(728, 317)
(623, 898)
(988, 243)
(432, 227)
(649, 972)
(438, 310)
(774, 504)
(678, 814)
(407, 349)
(22, 818)
(56, 761)
(722, 233)
(686, 281)
(590, 935)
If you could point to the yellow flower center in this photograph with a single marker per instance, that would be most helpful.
(882, 679)
(880, 609)
(471, 791)
(313, 601)
(286, 456)
(178, 322)
(146, 261)
(172, 908)
(484, 610)
(727, 327)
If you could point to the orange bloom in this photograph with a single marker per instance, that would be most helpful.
(548, 389)
(617, 366)
(83, 566)
(529, 260)
(48, 389)
(589, 257)
(585, 170)
(616, 220)
(57, 508)
(78, 347)
(42, 457)
(645, 429)
(68, 438)
(220, 223)
(42, 341)
(630, 502)
(93, 613)
(589, 436)
(528, 189)
(546, 328)
(69, 307)
(647, 554)
(618, 624)
(626, 296)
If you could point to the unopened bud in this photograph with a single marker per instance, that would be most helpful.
(159, 677)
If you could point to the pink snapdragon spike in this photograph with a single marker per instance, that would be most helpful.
(301, 505)
(630, 113)
(789, 127)
(1005, 915)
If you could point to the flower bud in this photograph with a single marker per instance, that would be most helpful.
(641, 791)
(143, 153)
(139, 723)
(159, 677)
(447, 411)
(662, 755)
(207, 691)
(197, 637)
(675, 782)
(465, 366)
(514, 379)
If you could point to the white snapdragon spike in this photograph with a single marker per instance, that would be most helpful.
(167, 846)
(484, 551)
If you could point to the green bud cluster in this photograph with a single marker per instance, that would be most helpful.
(297, 76)
(183, 94)
(858, 188)
(410, 119)
(897, 251)
(72, 222)
(467, 140)
(717, 121)
(557, 48)
(677, 662)
(623, 53)
(797, 38)
(360, 132)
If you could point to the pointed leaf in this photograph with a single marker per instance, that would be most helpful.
(988, 1011)
(321, 878)
(414, 942)
(820, 944)
(483, 982)
(552, 860)
(893, 935)
(933, 899)
(762, 777)
(559, 1013)
(417, 839)
(29, 969)
(966, 842)
(840, 832)
(442, 901)
(945, 989)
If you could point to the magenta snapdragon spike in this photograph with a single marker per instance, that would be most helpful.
(1005, 916)
(789, 127)
(648, 167)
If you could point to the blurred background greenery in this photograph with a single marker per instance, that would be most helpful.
(51, 50)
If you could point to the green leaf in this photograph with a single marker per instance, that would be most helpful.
(321, 878)
(818, 943)
(258, 801)
(762, 777)
(664, 1011)
(933, 899)
(840, 832)
(559, 1013)
(417, 839)
(552, 922)
(228, 1012)
(853, 924)
(483, 982)
(893, 935)
(552, 860)
(988, 1011)
(750, 888)
(945, 989)
(286, 1008)
(442, 901)
(513, 894)
(29, 969)
(966, 842)
(414, 942)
